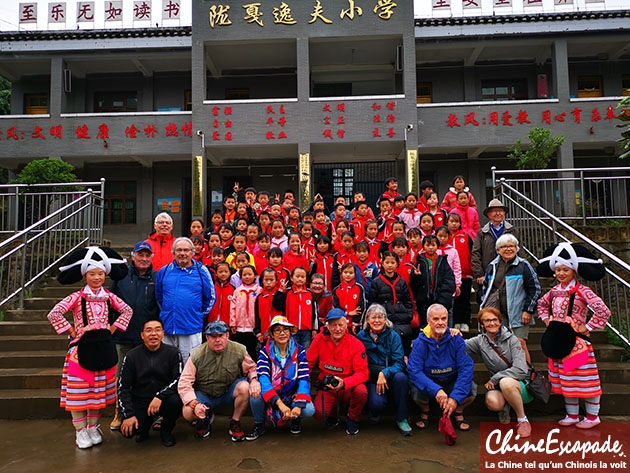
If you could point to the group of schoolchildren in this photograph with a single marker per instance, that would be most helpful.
(267, 258)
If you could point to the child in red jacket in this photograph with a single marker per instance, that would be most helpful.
(224, 291)
(265, 312)
(295, 257)
(322, 261)
(350, 297)
(298, 306)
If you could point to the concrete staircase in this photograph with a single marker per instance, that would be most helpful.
(31, 360)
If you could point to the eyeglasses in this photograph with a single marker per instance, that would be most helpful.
(508, 247)
(182, 250)
(163, 222)
(490, 321)
(376, 317)
(153, 330)
(281, 329)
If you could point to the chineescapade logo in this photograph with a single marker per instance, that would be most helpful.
(552, 448)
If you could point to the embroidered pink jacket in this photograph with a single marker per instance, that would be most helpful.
(243, 307)
(558, 299)
(96, 313)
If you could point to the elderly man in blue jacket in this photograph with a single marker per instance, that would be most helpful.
(185, 292)
(440, 368)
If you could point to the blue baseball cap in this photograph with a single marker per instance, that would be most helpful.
(216, 327)
(335, 314)
(142, 245)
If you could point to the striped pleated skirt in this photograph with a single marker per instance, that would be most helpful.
(581, 382)
(95, 392)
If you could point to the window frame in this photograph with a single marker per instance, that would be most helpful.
(123, 197)
(587, 92)
(126, 95)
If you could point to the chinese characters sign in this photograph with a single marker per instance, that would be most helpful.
(521, 117)
(255, 13)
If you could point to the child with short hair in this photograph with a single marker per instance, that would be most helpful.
(427, 224)
(439, 215)
(262, 204)
(264, 220)
(293, 219)
(324, 228)
(322, 261)
(371, 238)
(296, 256)
(367, 270)
(344, 255)
(275, 263)
(240, 261)
(224, 290)
(349, 296)
(399, 205)
(358, 223)
(391, 184)
(240, 246)
(226, 233)
(261, 257)
(229, 212)
(278, 236)
(265, 312)
(308, 240)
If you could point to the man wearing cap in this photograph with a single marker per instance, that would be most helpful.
(148, 386)
(343, 368)
(283, 373)
(217, 373)
(137, 289)
(483, 250)
(161, 240)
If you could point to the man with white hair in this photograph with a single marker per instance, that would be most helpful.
(185, 292)
(161, 240)
(439, 368)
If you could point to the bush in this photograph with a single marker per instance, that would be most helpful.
(543, 145)
(47, 171)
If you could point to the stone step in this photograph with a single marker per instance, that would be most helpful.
(603, 353)
(31, 327)
(30, 378)
(57, 292)
(536, 333)
(25, 314)
(41, 303)
(33, 342)
(32, 359)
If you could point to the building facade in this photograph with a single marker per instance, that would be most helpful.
(326, 97)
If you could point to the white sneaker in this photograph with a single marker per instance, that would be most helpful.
(464, 328)
(83, 438)
(458, 327)
(95, 434)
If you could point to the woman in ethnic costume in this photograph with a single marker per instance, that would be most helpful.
(573, 370)
(85, 392)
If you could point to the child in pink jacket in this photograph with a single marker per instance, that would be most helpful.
(469, 216)
(243, 310)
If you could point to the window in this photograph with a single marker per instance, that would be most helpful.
(35, 104)
(115, 101)
(424, 92)
(236, 94)
(343, 183)
(120, 203)
(342, 89)
(625, 85)
(589, 87)
(188, 100)
(505, 89)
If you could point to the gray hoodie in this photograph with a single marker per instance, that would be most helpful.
(509, 346)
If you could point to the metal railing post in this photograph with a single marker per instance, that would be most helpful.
(494, 180)
(102, 211)
(16, 209)
(23, 270)
(88, 223)
(582, 198)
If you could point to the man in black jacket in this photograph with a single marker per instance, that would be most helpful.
(138, 290)
(148, 386)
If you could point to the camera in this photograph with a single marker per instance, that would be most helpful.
(329, 379)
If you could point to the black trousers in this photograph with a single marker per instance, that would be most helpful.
(249, 340)
(170, 410)
(461, 304)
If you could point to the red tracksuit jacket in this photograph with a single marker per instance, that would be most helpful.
(298, 307)
(291, 261)
(265, 311)
(221, 309)
(349, 296)
(324, 266)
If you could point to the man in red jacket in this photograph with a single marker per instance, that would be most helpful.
(161, 241)
(343, 363)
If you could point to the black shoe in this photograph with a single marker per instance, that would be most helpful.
(259, 429)
(296, 426)
(332, 423)
(203, 428)
(352, 426)
(167, 439)
(142, 436)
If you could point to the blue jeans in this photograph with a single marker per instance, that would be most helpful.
(307, 411)
(303, 338)
(256, 405)
(398, 388)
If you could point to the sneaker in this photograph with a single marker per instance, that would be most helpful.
(404, 427)
(296, 426)
(332, 423)
(236, 431)
(352, 427)
(203, 429)
(568, 421)
(83, 438)
(588, 424)
(464, 328)
(95, 434)
(504, 414)
(116, 422)
(259, 429)
(524, 429)
(167, 439)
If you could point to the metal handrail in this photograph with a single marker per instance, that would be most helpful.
(546, 221)
(47, 242)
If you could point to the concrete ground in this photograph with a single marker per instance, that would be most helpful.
(48, 446)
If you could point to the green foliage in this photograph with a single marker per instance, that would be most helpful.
(44, 171)
(537, 156)
(624, 117)
(5, 96)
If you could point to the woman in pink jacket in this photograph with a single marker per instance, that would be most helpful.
(243, 310)
(469, 216)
